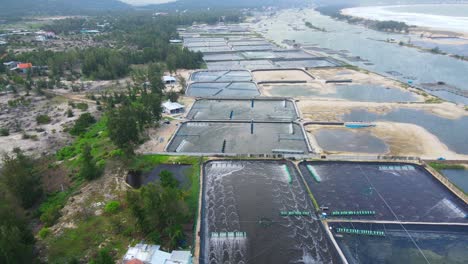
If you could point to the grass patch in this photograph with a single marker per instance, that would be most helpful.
(442, 166)
(97, 138)
(114, 231)
(433, 100)
(145, 163)
(43, 119)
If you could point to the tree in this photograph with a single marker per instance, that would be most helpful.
(103, 257)
(123, 130)
(16, 239)
(82, 123)
(168, 180)
(88, 169)
(20, 176)
(172, 96)
(159, 210)
(183, 84)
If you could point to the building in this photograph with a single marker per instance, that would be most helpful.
(90, 31)
(22, 67)
(173, 108)
(152, 254)
(175, 41)
(11, 64)
(169, 79)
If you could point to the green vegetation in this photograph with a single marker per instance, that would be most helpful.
(20, 188)
(168, 180)
(16, 239)
(134, 45)
(88, 169)
(4, 132)
(82, 106)
(442, 166)
(433, 100)
(20, 175)
(310, 25)
(82, 124)
(44, 232)
(112, 207)
(334, 11)
(43, 119)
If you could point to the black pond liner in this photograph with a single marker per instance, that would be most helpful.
(447, 242)
(413, 195)
(262, 211)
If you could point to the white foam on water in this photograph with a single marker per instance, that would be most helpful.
(230, 247)
(448, 209)
(382, 13)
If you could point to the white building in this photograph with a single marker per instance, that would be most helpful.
(152, 254)
(173, 108)
(169, 79)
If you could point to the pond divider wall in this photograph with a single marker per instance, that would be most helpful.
(277, 154)
(285, 69)
(446, 182)
(252, 100)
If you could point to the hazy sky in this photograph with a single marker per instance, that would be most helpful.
(146, 2)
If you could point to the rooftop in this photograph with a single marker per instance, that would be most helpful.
(172, 105)
(151, 254)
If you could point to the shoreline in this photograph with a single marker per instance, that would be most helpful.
(428, 34)
(378, 13)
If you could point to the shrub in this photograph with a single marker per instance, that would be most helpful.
(4, 132)
(43, 119)
(44, 232)
(112, 207)
(82, 123)
(50, 215)
(69, 113)
(82, 106)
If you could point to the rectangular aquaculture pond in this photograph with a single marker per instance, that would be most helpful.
(248, 109)
(239, 138)
(304, 63)
(222, 57)
(223, 89)
(240, 64)
(259, 212)
(401, 243)
(393, 191)
(221, 76)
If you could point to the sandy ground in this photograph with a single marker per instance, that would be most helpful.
(401, 138)
(159, 137)
(22, 120)
(359, 77)
(320, 110)
(318, 87)
(436, 36)
(281, 75)
(179, 74)
(90, 200)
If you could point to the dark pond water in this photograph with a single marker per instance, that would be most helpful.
(458, 177)
(355, 92)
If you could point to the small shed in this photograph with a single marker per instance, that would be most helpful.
(169, 79)
(173, 108)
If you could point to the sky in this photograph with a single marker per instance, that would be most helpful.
(146, 2)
